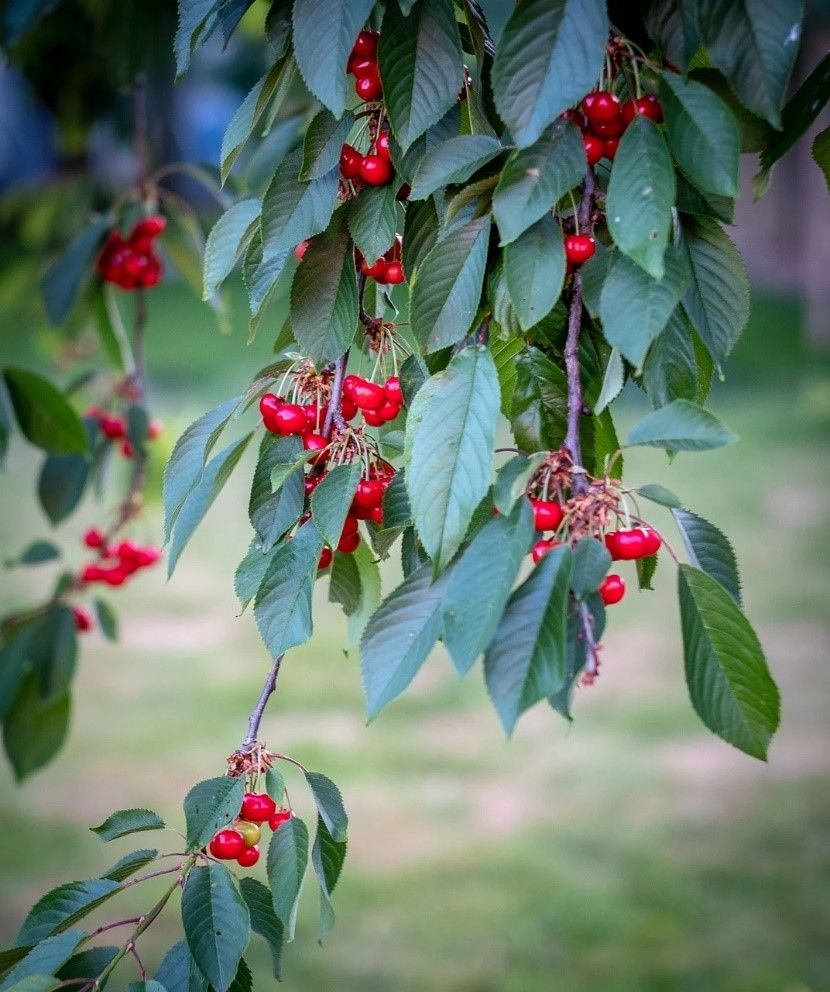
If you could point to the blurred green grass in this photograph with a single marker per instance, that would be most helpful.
(629, 852)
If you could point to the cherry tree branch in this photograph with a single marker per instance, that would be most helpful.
(256, 715)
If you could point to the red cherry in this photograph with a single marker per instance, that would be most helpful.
(374, 418)
(577, 117)
(579, 248)
(288, 418)
(313, 414)
(314, 442)
(302, 248)
(360, 68)
(348, 543)
(368, 395)
(113, 428)
(325, 559)
(394, 273)
(350, 162)
(653, 540)
(83, 619)
(311, 482)
(249, 857)
(547, 514)
(382, 146)
(377, 270)
(376, 515)
(609, 148)
(348, 407)
(375, 170)
(594, 148)
(127, 449)
(600, 106)
(369, 87)
(647, 106)
(392, 388)
(389, 411)
(116, 576)
(369, 493)
(541, 548)
(92, 573)
(227, 845)
(627, 545)
(366, 44)
(281, 816)
(612, 129)
(257, 807)
(612, 589)
(154, 430)
(151, 276)
(149, 227)
(94, 538)
(349, 383)
(403, 193)
(350, 525)
(269, 403)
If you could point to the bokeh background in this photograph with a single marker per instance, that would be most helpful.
(628, 852)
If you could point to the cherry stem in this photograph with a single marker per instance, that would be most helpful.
(256, 716)
(149, 875)
(576, 401)
(586, 622)
(334, 417)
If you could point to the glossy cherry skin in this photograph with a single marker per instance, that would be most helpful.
(541, 548)
(349, 383)
(594, 148)
(227, 845)
(392, 388)
(612, 589)
(613, 129)
(374, 418)
(376, 515)
(368, 395)
(348, 407)
(113, 428)
(83, 619)
(600, 107)
(547, 514)
(281, 816)
(653, 540)
(270, 403)
(149, 227)
(382, 146)
(360, 67)
(257, 807)
(375, 170)
(576, 117)
(627, 545)
(394, 273)
(647, 106)
(251, 832)
(301, 249)
(366, 44)
(369, 493)
(350, 162)
(289, 418)
(314, 415)
(314, 442)
(249, 857)
(377, 270)
(389, 411)
(609, 148)
(325, 559)
(579, 248)
(348, 543)
(369, 87)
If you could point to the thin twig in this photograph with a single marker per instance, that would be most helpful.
(256, 716)
(586, 622)
(333, 415)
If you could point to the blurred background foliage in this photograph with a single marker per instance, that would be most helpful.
(631, 852)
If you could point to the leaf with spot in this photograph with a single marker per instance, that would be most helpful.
(211, 805)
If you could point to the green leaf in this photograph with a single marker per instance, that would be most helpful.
(540, 402)
(44, 959)
(263, 918)
(187, 461)
(549, 56)
(261, 277)
(709, 550)
(228, 239)
(35, 553)
(324, 295)
(369, 594)
(504, 354)
(251, 571)
(512, 480)
(670, 369)
(452, 162)
(344, 587)
(450, 434)
(681, 426)
(324, 33)
(591, 561)
(754, 45)
(272, 512)
(178, 971)
(211, 805)
(660, 495)
(197, 21)
(646, 567)
(534, 267)
(327, 857)
(323, 143)
(293, 210)
(372, 219)
(717, 300)
(43, 414)
(612, 381)
(89, 962)
(397, 513)
(421, 67)
(729, 683)
(200, 498)
(399, 637)
(107, 619)
(534, 179)
(216, 923)
(148, 985)
(128, 821)
(526, 660)
(641, 195)
(62, 283)
(821, 153)
(36, 983)
(329, 804)
(62, 907)
(420, 233)
(275, 784)
(479, 584)
(287, 860)
(247, 116)
(634, 307)
(35, 728)
(130, 863)
(282, 608)
(447, 287)
(702, 133)
(332, 498)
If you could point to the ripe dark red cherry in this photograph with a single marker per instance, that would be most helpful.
(288, 418)
(350, 162)
(227, 845)
(325, 559)
(394, 273)
(375, 170)
(94, 538)
(579, 248)
(541, 548)
(600, 107)
(349, 383)
(83, 618)
(369, 87)
(374, 418)
(149, 227)
(249, 857)
(368, 395)
(314, 442)
(257, 807)
(382, 146)
(348, 543)
(652, 539)
(389, 411)
(576, 117)
(360, 67)
(348, 407)
(377, 270)
(301, 249)
(269, 403)
(392, 388)
(547, 514)
(594, 148)
(369, 493)
(250, 832)
(627, 545)
(647, 106)
(609, 148)
(366, 44)
(281, 816)
(612, 589)
(376, 515)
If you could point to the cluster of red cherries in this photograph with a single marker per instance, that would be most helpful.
(240, 841)
(386, 270)
(375, 167)
(116, 562)
(131, 262)
(602, 119)
(114, 428)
